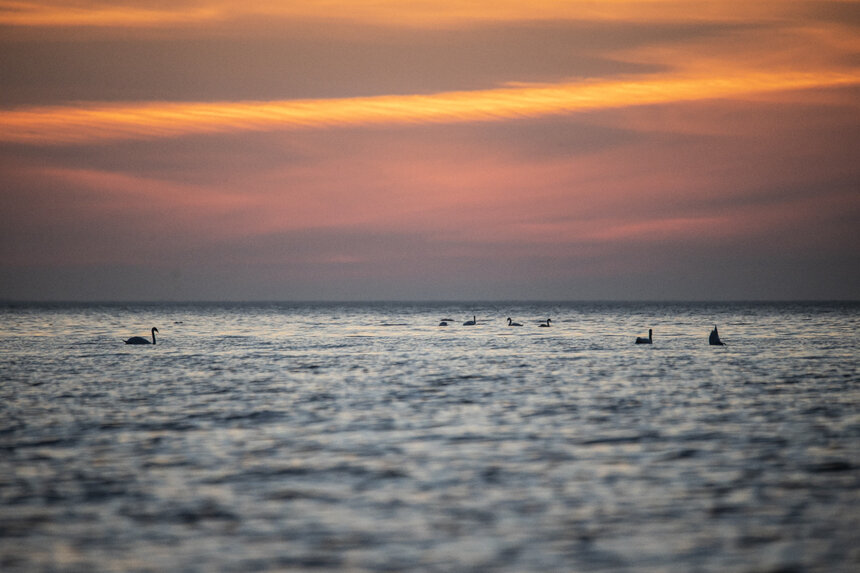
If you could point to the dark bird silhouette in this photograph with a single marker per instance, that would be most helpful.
(443, 323)
(472, 322)
(643, 340)
(512, 323)
(142, 340)
(545, 324)
(714, 338)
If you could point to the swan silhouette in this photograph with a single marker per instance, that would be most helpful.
(443, 323)
(512, 323)
(142, 340)
(472, 322)
(714, 338)
(643, 340)
(545, 324)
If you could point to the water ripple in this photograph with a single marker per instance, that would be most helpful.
(366, 438)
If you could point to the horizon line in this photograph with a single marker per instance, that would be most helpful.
(431, 301)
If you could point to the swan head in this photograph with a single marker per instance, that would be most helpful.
(154, 329)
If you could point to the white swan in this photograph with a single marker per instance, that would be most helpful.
(142, 340)
(642, 340)
(545, 324)
(512, 323)
(714, 338)
(472, 322)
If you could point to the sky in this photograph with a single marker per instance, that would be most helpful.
(429, 150)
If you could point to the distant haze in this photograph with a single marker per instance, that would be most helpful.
(405, 150)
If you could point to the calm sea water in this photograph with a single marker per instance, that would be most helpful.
(361, 437)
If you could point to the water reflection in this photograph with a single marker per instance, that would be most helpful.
(364, 437)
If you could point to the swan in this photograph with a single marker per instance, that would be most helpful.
(512, 323)
(443, 323)
(642, 340)
(714, 338)
(545, 324)
(472, 322)
(142, 340)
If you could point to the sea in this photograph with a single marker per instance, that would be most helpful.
(366, 437)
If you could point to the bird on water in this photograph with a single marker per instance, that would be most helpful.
(472, 322)
(512, 323)
(714, 338)
(643, 340)
(142, 340)
(545, 324)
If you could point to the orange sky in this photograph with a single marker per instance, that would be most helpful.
(429, 150)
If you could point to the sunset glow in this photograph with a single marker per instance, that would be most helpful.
(97, 123)
(392, 12)
(600, 145)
